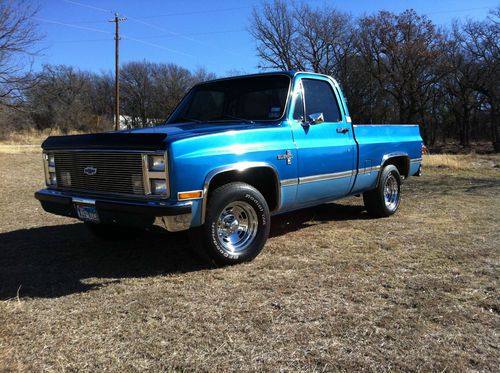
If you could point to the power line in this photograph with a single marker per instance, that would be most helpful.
(87, 6)
(157, 46)
(220, 10)
(111, 33)
(194, 33)
(197, 12)
(180, 35)
(150, 25)
(154, 36)
(72, 25)
(76, 41)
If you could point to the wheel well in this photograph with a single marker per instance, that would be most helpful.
(402, 163)
(263, 179)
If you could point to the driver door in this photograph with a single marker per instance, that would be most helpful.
(325, 145)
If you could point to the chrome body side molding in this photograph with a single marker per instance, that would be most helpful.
(338, 175)
(289, 182)
(368, 170)
(323, 177)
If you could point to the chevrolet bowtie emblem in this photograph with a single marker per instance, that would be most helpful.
(288, 156)
(90, 170)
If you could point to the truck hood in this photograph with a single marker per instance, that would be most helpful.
(182, 130)
(150, 138)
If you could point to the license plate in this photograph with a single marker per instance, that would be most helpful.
(87, 213)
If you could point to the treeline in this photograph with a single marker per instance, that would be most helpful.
(394, 68)
(65, 98)
(68, 99)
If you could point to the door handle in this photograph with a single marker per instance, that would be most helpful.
(342, 130)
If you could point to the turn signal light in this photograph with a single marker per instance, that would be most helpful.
(190, 195)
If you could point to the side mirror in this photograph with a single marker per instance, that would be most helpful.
(315, 118)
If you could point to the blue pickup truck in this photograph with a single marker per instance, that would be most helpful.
(234, 152)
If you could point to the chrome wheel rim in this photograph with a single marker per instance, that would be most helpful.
(237, 227)
(391, 192)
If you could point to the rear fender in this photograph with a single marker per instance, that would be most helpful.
(399, 159)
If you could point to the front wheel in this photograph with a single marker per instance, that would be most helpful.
(384, 200)
(236, 225)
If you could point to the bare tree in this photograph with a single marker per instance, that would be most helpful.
(150, 91)
(102, 90)
(17, 39)
(64, 98)
(325, 39)
(480, 44)
(137, 94)
(297, 37)
(275, 30)
(404, 54)
(293, 36)
(170, 83)
(70, 99)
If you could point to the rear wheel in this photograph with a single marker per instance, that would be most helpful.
(384, 200)
(236, 225)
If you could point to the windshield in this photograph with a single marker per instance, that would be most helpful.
(246, 99)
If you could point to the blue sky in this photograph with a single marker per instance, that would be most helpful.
(192, 33)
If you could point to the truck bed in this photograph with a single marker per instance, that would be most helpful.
(376, 142)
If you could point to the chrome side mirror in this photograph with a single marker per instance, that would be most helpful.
(315, 118)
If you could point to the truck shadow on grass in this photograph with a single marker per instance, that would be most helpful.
(54, 261)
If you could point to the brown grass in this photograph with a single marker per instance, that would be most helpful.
(461, 162)
(332, 290)
(30, 137)
(452, 161)
(20, 149)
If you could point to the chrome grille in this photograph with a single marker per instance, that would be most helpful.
(115, 172)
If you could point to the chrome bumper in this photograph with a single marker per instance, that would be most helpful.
(172, 215)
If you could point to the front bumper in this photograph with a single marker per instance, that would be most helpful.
(174, 216)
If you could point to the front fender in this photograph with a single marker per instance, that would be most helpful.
(240, 167)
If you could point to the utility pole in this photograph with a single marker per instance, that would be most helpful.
(117, 20)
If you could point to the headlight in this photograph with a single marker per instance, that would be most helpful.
(156, 163)
(158, 186)
(52, 178)
(51, 160)
(50, 169)
(155, 175)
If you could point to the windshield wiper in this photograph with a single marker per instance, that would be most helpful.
(181, 119)
(249, 121)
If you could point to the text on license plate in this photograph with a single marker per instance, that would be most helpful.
(87, 213)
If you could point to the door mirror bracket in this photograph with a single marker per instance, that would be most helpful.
(315, 118)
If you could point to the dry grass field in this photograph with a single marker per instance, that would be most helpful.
(30, 137)
(333, 290)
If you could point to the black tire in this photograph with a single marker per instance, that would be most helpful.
(375, 200)
(110, 232)
(247, 206)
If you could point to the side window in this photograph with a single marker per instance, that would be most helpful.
(298, 110)
(320, 98)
